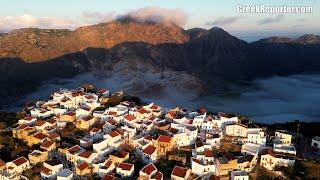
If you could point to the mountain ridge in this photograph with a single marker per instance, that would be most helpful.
(215, 57)
(42, 44)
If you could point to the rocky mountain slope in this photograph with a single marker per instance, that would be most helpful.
(211, 58)
(34, 45)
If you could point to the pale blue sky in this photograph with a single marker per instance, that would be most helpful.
(199, 13)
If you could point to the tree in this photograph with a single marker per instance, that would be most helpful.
(20, 115)
(3, 125)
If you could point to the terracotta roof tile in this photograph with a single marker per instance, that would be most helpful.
(40, 135)
(2, 163)
(45, 170)
(154, 107)
(125, 166)
(83, 166)
(54, 136)
(95, 130)
(108, 177)
(19, 161)
(22, 126)
(71, 113)
(148, 137)
(28, 118)
(163, 138)
(179, 171)
(208, 153)
(52, 121)
(47, 144)
(158, 176)
(149, 169)
(112, 122)
(85, 154)
(101, 91)
(40, 123)
(130, 117)
(112, 113)
(143, 111)
(114, 134)
(108, 163)
(149, 150)
(74, 149)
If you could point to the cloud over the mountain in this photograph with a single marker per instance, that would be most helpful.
(224, 21)
(15, 22)
(157, 14)
(98, 17)
(147, 14)
(270, 20)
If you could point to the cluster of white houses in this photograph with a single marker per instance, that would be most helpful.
(154, 132)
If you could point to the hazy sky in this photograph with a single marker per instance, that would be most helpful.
(188, 13)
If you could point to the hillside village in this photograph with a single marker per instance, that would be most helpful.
(83, 134)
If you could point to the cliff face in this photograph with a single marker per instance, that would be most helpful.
(209, 57)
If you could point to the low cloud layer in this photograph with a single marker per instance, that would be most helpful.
(270, 20)
(157, 15)
(224, 21)
(277, 99)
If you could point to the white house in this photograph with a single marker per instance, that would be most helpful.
(129, 119)
(150, 154)
(83, 111)
(213, 139)
(282, 137)
(28, 120)
(198, 120)
(125, 169)
(18, 165)
(150, 172)
(284, 148)
(51, 168)
(211, 124)
(183, 135)
(180, 173)
(129, 132)
(202, 166)
(106, 167)
(140, 142)
(237, 130)
(72, 152)
(271, 159)
(155, 109)
(59, 111)
(250, 148)
(41, 113)
(87, 156)
(256, 136)
(239, 175)
(65, 174)
(96, 133)
(228, 118)
(110, 142)
(315, 142)
(104, 92)
(41, 125)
